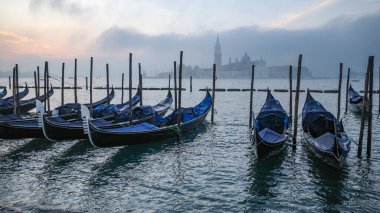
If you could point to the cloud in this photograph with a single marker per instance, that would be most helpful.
(64, 6)
(285, 20)
(340, 40)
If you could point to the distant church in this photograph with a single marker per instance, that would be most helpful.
(238, 69)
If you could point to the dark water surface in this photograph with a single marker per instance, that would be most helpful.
(212, 168)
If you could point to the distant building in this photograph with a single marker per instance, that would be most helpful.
(239, 69)
(218, 54)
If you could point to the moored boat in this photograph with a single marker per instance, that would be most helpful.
(3, 93)
(161, 128)
(355, 100)
(324, 134)
(15, 127)
(270, 131)
(24, 105)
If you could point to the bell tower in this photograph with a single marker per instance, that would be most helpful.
(218, 54)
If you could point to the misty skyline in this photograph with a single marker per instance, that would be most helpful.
(326, 32)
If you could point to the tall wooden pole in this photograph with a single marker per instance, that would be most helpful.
(86, 83)
(14, 91)
(63, 85)
(122, 87)
(370, 106)
(10, 84)
(297, 100)
(47, 87)
(35, 83)
(140, 85)
(290, 93)
(108, 84)
(175, 85)
(91, 72)
(130, 89)
(339, 90)
(213, 91)
(191, 83)
(251, 97)
(180, 91)
(17, 92)
(170, 78)
(362, 121)
(347, 87)
(38, 81)
(75, 82)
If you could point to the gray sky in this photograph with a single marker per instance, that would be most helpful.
(327, 32)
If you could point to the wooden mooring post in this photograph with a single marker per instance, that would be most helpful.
(45, 83)
(108, 83)
(251, 97)
(347, 87)
(175, 85)
(180, 93)
(14, 91)
(297, 100)
(38, 80)
(47, 87)
(10, 84)
(170, 78)
(370, 105)
(213, 92)
(63, 85)
(362, 120)
(290, 94)
(75, 82)
(91, 75)
(140, 85)
(86, 83)
(130, 89)
(191, 83)
(339, 90)
(17, 92)
(35, 83)
(122, 87)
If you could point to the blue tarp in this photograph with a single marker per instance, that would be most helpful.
(272, 116)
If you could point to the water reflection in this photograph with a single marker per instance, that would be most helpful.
(264, 177)
(129, 157)
(329, 182)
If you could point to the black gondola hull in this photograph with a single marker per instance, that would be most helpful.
(58, 132)
(101, 138)
(9, 131)
(327, 157)
(264, 149)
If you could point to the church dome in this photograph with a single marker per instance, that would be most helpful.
(246, 59)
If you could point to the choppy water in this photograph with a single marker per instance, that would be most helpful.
(212, 168)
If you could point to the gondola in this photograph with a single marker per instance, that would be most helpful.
(3, 93)
(324, 134)
(57, 128)
(355, 100)
(8, 101)
(15, 127)
(270, 131)
(72, 110)
(25, 105)
(161, 128)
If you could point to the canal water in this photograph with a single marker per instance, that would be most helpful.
(212, 168)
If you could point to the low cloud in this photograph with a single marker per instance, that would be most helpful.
(64, 6)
